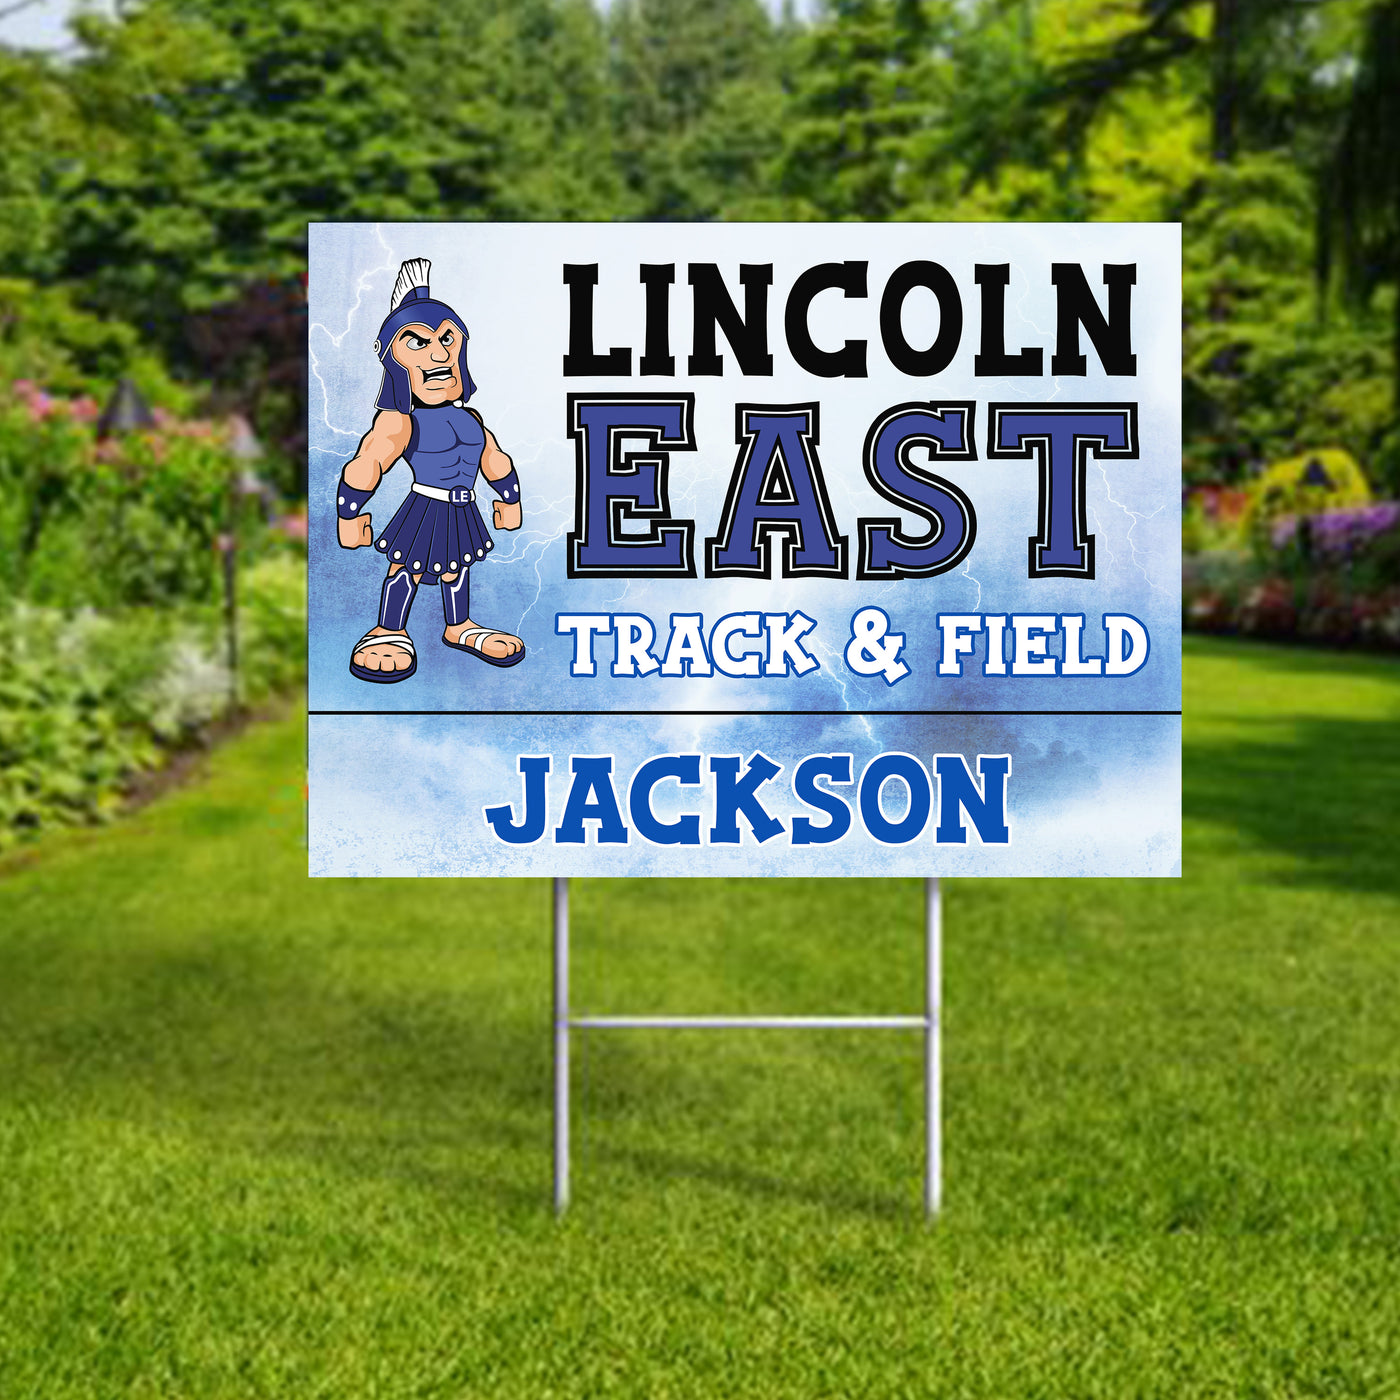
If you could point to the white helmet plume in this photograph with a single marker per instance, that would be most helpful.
(412, 275)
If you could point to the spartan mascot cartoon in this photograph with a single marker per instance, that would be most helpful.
(437, 534)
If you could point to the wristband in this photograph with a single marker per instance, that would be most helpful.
(507, 487)
(351, 500)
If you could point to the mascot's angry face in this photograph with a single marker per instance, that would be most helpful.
(433, 359)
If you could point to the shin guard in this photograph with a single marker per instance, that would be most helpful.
(396, 599)
(454, 599)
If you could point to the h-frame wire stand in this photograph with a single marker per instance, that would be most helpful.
(928, 1023)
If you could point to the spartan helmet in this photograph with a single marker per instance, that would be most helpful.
(409, 305)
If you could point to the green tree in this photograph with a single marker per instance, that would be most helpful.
(696, 101)
(43, 134)
(1257, 93)
(167, 175)
(1363, 183)
(1260, 66)
(1263, 375)
(240, 121)
(1218, 113)
(872, 92)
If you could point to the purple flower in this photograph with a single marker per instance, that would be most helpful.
(1342, 531)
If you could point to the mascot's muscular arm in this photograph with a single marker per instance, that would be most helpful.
(496, 466)
(379, 449)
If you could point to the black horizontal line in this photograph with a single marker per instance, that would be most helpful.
(740, 714)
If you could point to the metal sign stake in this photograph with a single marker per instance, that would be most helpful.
(928, 1023)
(561, 1046)
(933, 1048)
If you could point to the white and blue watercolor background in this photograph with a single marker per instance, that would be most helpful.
(402, 793)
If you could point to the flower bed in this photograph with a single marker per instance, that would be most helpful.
(1300, 552)
(1332, 577)
(88, 700)
(113, 607)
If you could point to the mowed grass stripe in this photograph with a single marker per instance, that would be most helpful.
(262, 1136)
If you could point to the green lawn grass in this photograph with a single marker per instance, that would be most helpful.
(266, 1137)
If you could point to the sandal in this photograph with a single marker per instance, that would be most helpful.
(393, 639)
(461, 644)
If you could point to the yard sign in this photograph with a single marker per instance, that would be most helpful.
(794, 550)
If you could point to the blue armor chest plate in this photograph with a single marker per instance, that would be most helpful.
(445, 446)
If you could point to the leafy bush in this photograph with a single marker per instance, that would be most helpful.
(1326, 479)
(88, 700)
(126, 521)
(1211, 518)
(272, 625)
(46, 338)
(115, 650)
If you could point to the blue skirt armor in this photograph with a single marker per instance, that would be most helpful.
(430, 536)
(433, 538)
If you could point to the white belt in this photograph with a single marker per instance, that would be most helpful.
(441, 493)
